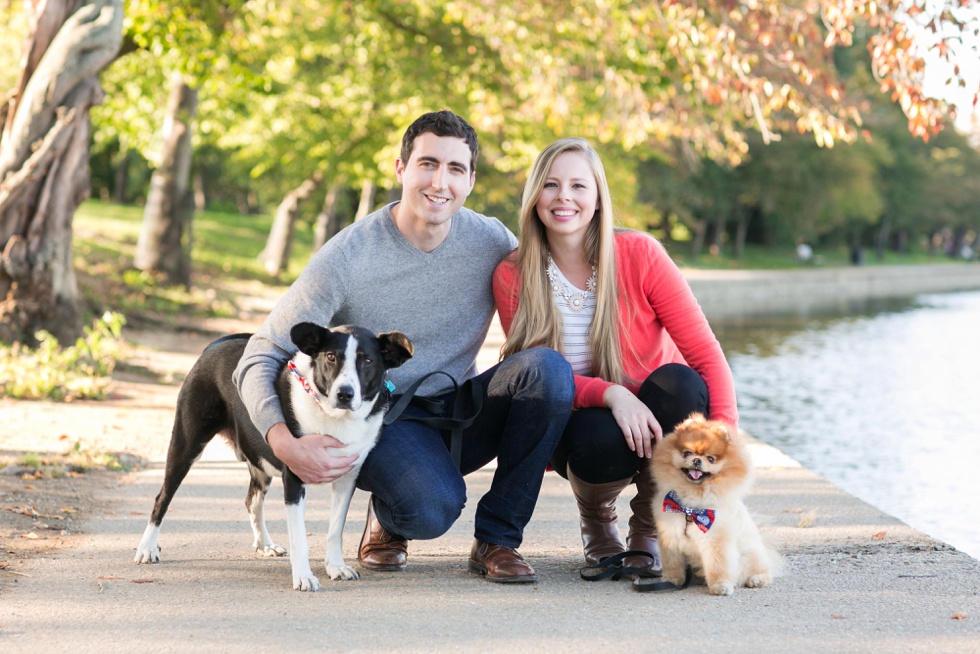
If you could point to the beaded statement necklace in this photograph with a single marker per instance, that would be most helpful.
(574, 298)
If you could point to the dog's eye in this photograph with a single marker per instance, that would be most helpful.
(331, 357)
(367, 361)
(687, 453)
(711, 459)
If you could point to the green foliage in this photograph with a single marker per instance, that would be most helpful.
(76, 460)
(13, 28)
(49, 371)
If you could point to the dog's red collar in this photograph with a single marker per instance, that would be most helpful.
(307, 386)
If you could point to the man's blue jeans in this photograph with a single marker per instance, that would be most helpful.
(419, 492)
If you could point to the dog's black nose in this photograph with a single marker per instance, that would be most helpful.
(697, 463)
(345, 394)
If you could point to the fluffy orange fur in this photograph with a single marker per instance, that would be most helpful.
(708, 467)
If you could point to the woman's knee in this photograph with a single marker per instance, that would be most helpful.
(674, 391)
(594, 447)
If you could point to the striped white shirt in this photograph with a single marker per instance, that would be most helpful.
(575, 332)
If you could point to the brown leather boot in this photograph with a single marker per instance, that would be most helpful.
(597, 517)
(381, 550)
(643, 531)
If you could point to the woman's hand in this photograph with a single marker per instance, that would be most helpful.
(639, 426)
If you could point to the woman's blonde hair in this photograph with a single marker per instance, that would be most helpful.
(537, 320)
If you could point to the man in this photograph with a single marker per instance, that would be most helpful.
(423, 266)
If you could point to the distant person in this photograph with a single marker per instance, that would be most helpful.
(804, 253)
(423, 266)
(617, 307)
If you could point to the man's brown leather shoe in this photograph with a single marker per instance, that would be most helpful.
(379, 549)
(500, 564)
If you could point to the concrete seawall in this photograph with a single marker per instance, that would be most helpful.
(734, 294)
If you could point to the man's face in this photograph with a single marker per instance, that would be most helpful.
(436, 179)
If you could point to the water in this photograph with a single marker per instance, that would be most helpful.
(885, 404)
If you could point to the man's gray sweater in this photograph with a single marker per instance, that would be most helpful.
(370, 275)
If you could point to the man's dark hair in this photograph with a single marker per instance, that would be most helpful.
(441, 123)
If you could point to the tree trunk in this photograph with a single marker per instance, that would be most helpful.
(200, 192)
(697, 243)
(718, 233)
(44, 153)
(164, 244)
(275, 256)
(741, 231)
(884, 234)
(122, 177)
(366, 204)
(329, 219)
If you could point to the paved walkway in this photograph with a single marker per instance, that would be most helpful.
(857, 581)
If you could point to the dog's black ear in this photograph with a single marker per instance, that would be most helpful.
(307, 336)
(396, 349)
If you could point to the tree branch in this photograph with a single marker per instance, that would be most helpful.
(51, 146)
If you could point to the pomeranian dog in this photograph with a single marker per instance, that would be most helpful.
(703, 472)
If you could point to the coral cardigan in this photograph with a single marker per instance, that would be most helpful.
(664, 322)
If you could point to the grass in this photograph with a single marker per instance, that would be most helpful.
(226, 247)
(226, 244)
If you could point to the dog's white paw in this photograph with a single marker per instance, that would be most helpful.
(147, 554)
(343, 571)
(759, 580)
(307, 583)
(148, 551)
(721, 588)
(270, 550)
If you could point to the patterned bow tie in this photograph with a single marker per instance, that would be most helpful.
(703, 518)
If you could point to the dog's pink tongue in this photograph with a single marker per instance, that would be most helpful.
(694, 474)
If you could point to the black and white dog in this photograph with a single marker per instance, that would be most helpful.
(335, 384)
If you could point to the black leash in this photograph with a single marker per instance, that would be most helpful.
(647, 586)
(612, 567)
(454, 424)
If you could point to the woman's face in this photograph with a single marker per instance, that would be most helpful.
(569, 198)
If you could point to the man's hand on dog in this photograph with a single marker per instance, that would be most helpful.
(310, 457)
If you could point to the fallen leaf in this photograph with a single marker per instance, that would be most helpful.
(30, 536)
(143, 581)
(108, 578)
(837, 617)
(879, 535)
(959, 616)
(68, 510)
(793, 511)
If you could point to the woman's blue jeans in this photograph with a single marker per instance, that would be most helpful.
(419, 492)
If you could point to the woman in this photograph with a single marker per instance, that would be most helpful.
(617, 307)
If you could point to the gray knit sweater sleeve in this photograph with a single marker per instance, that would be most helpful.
(369, 275)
